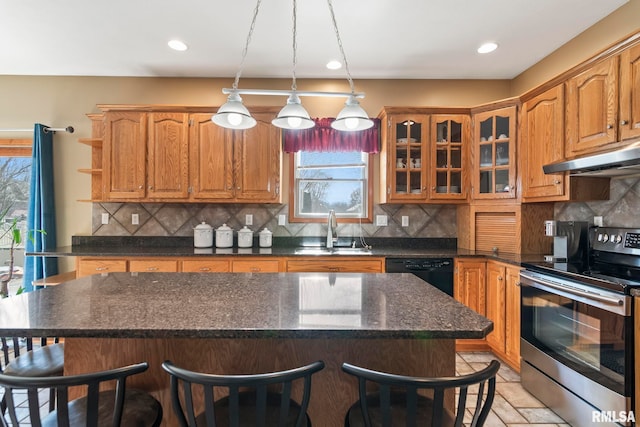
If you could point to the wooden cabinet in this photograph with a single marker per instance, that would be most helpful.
(630, 93)
(168, 156)
(449, 138)
(205, 266)
(177, 154)
(89, 266)
(542, 143)
(496, 304)
(405, 141)
(124, 155)
(592, 109)
(469, 288)
(512, 317)
(494, 154)
(255, 265)
(331, 264)
(153, 265)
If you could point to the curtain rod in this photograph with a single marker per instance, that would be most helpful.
(69, 129)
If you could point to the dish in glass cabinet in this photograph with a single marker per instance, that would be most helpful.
(404, 140)
(401, 192)
(418, 191)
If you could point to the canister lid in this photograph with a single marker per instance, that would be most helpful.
(265, 231)
(245, 230)
(203, 226)
(224, 227)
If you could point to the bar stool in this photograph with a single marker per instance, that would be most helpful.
(45, 360)
(388, 399)
(114, 407)
(249, 400)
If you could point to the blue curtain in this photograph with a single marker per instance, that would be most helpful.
(41, 218)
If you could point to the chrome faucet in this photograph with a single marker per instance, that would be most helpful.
(332, 232)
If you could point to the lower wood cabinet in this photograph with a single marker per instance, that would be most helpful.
(153, 265)
(331, 264)
(253, 265)
(89, 266)
(205, 266)
(491, 288)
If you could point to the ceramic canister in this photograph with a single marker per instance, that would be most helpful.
(224, 236)
(266, 238)
(245, 237)
(203, 235)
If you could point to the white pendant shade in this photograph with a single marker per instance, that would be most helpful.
(293, 115)
(233, 114)
(352, 117)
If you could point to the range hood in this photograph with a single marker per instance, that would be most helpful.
(617, 163)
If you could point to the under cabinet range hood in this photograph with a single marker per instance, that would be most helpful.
(617, 163)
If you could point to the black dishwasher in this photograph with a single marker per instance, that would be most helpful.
(436, 271)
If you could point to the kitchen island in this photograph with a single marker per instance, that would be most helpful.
(244, 323)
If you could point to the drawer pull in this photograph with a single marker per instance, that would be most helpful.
(152, 268)
(102, 268)
(334, 268)
(205, 269)
(255, 269)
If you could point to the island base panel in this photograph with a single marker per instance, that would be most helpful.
(333, 391)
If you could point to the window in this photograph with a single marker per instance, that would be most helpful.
(15, 174)
(322, 181)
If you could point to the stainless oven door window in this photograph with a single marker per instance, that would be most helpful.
(586, 338)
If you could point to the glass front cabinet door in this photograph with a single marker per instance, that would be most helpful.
(449, 140)
(494, 156)
(407, 157)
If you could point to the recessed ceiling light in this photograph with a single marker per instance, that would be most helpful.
(177, 45)
(487, 47)
(334, 65)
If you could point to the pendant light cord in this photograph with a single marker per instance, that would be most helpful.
(344, 57)
(246, 45)
(295, 44)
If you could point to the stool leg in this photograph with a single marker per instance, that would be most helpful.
(52, 399)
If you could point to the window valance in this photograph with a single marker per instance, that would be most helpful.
(324, 138)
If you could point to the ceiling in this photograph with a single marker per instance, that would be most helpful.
(382, 39)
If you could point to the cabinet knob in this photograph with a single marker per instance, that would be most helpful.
(151, 187)
(517, 283)
(609, 126)
(624, 122)
(557, 181)
(500, 278)
(238, 188)
(140, 187)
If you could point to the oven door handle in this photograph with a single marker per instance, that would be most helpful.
(574, 291)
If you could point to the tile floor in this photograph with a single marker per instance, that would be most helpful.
(512, 407)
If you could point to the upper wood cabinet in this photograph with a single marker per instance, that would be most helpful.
(449, 140)
(168, 156)
(494, 154)
(124, 155)
(404, 142)
(592, 108)
(630, 93)
(181, 155)
(542, 143)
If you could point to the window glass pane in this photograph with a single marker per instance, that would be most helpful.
(15, 174)
(326, 181)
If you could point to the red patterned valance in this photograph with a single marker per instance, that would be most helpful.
(324, 138)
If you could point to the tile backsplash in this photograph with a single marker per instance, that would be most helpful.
(621, 210)
(176, 219)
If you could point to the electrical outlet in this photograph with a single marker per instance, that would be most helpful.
(248, 219)
(381, 220)
(135, 219)
(105, 218)
(282, 219)
(597, 221)
(405, 221)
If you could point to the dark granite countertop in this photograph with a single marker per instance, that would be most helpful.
(241, 305)
(133, 246)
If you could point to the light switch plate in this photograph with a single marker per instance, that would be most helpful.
(248, 219)
(597, 221)
(105, 218)
(381, 220)
(135, 219)
(282, 219)
(405, 220)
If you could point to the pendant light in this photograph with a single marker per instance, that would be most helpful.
(234, 115)
(293, 115)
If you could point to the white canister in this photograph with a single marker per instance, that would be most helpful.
(224, 236)
(245, 238)
(266, 238)
(203, 235)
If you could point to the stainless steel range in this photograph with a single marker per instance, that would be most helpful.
(577, 330)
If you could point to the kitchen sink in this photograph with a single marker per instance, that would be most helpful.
(332, 251)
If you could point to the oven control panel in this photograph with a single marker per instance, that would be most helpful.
(619, 240)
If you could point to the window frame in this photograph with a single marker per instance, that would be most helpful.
(293, 192)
